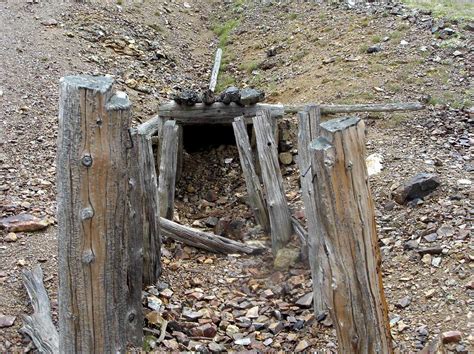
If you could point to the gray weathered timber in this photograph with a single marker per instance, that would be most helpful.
(345, 209)
(219, 113)
(254, 188)
(278, 210)
(215, 70)
(138, 230)
(151, 126)
(204, 240)
(308, 130)
(39, 326)
(180, 158)
(299, 230)
(92, 183)
(158, 139)
(145, 203)
(168, 165)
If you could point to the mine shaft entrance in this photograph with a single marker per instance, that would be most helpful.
(202, 137)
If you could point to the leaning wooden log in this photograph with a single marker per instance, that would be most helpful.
(39, 326)
(219, 113)
(308, 130)
(278, 210)
(345, 209)
(254, 188)
(204, 240)
(168, 165)
(92, 182)
(299, 230)
(215, 70)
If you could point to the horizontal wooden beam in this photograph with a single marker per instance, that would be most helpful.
(204, 240)
(220, 113)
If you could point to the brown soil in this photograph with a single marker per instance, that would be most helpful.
(153, 49)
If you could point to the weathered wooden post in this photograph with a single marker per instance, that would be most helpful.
(308, 130)
(92, 182)
(144, 200)
(278, 210)
(254, 188)
(345, 210)
(168, 168)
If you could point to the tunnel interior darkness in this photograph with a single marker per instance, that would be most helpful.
(202, 137)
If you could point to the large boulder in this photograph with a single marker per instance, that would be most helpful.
(417, 187)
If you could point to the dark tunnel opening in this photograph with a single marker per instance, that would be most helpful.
(202, 137)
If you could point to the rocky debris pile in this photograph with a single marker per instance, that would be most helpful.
(242, 97)
(246, 306)
(135, 46)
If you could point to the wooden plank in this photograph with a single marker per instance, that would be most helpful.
(145, 242)
(345, 210)
(180, 162)
(39, 326)
(278, 210)
(215, 70)
(254, 188)
(204, 240)
(159, 141)
(168, 165)
(151, 126)
(145, 204)
(299, 230)
(219, 113)
(308, 130)
(92, 183)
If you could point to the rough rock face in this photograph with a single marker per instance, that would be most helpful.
(230, 94)
(187, 97)
(250, 96)
(418, 186)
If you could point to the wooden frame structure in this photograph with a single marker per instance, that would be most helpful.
(113, 202)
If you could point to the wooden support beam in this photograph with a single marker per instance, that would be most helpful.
(299, 230)
(168, 165)
(144, 201)
(308, 130)
(204, 240)
(220, 113)
(92, 183)
(254, 188)
(157, 140)
(345, 211)
(215, 70)
(180, 162)
(151, 126)
(39, 326)
(278, 210)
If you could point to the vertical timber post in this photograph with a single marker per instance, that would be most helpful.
(145, 201)
(345, 208)
(308, 130)
(168, 166)
(278, 210)
(92, 182)
(254, 188)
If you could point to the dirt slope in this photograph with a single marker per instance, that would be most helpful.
(320, 55)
